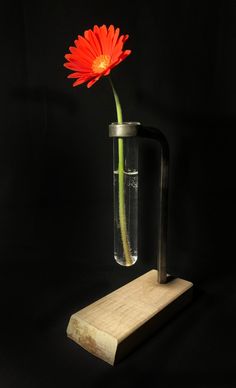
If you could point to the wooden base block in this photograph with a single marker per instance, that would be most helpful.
(114, 325)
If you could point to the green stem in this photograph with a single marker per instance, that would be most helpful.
(121, 194)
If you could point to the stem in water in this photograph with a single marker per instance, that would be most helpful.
(121, 195)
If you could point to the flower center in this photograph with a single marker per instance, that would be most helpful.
(101, 63)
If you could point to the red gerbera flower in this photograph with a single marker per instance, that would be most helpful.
(95, 54)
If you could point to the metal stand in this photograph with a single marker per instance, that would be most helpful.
(111, 327)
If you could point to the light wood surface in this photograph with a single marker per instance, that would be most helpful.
(114, 325)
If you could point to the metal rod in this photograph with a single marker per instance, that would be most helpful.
(156, 134)
(130, 129)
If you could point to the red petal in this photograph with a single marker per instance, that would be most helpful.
(91, 83)
(80, 81)
(107, 72)
(125, 54)
(110, 37)
(91, 37)
(83, 60)
(116, 35)
(80, 63)
(86, 47)
(80, 58)
(70, 66)
(79, 75)
(104, 28)
(73, 50)
(118, 48)
(103, 39)
(111, 30)
(121, 58)
(96, 31)
(68, 56)
(126, 37)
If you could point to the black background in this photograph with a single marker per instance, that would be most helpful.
(56, 236)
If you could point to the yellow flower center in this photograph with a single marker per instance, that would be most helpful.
(101, 63)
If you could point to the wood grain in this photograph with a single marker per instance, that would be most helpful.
(114, 325)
